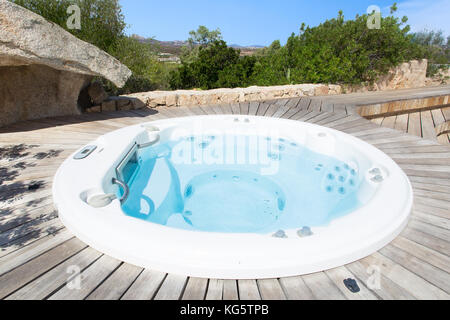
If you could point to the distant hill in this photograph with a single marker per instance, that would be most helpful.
(236, 46)
(174, 47)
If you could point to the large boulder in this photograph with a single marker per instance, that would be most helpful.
(43, 68)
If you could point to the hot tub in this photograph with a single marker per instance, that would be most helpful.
(232, 197)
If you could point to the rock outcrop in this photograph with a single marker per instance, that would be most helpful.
(407, 75)
(411, 74)
(43, 68)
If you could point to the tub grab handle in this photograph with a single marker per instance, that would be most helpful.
(124, 186)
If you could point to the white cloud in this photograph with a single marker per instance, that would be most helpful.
(425, 14)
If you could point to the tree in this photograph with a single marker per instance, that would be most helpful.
(436, 49)
(200, 38)
(216, 65)
(203, 36)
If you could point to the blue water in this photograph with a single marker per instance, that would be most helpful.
(237, 184)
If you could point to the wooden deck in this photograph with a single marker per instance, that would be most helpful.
(38, 254)
(428, 124)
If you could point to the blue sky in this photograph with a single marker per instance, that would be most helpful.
(259, 22)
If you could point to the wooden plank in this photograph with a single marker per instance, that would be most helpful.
(273, 108)
(91, 278)
(437, 232)
(432, 194)
(172, 287)
(117, 284)
(424, 253)
(322, 287)
(428, 130)
(414, 125)
(332, 119)
(56, 278)
(415, 285)
(327, 107)
(196, 110)
(389, 122)
(145, 286)
(298, 115)
(31, 238)
(446, 113)
(304, 103)
(235, 108)
(438, 117)
(296, 289)
(248, 290)
(230, 291)
(215, 290)
(244, 107)
(441, 222)
(377, 121)
(282, 110)
(226, 108)
(315, 105)
(270, 289)
(436, 276)
(443, 139)
(217, 109)
(340, 108)
(208, 109)
(401, 123)
(253, 108)
(263, 106)
(321, 117)
(13, 221)
(195, 289)
(443, 128)
(23, 274)
(35, 249)
(40, 229)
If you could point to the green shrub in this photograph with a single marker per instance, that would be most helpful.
(213, 62)
(339, 51)
(336, 51)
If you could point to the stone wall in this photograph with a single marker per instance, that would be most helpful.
(221, 96)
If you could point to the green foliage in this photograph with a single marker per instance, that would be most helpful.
(436, 49)
(203, 36)
(336, 51)
(148, 73)
(215, 65)
(200, 38)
